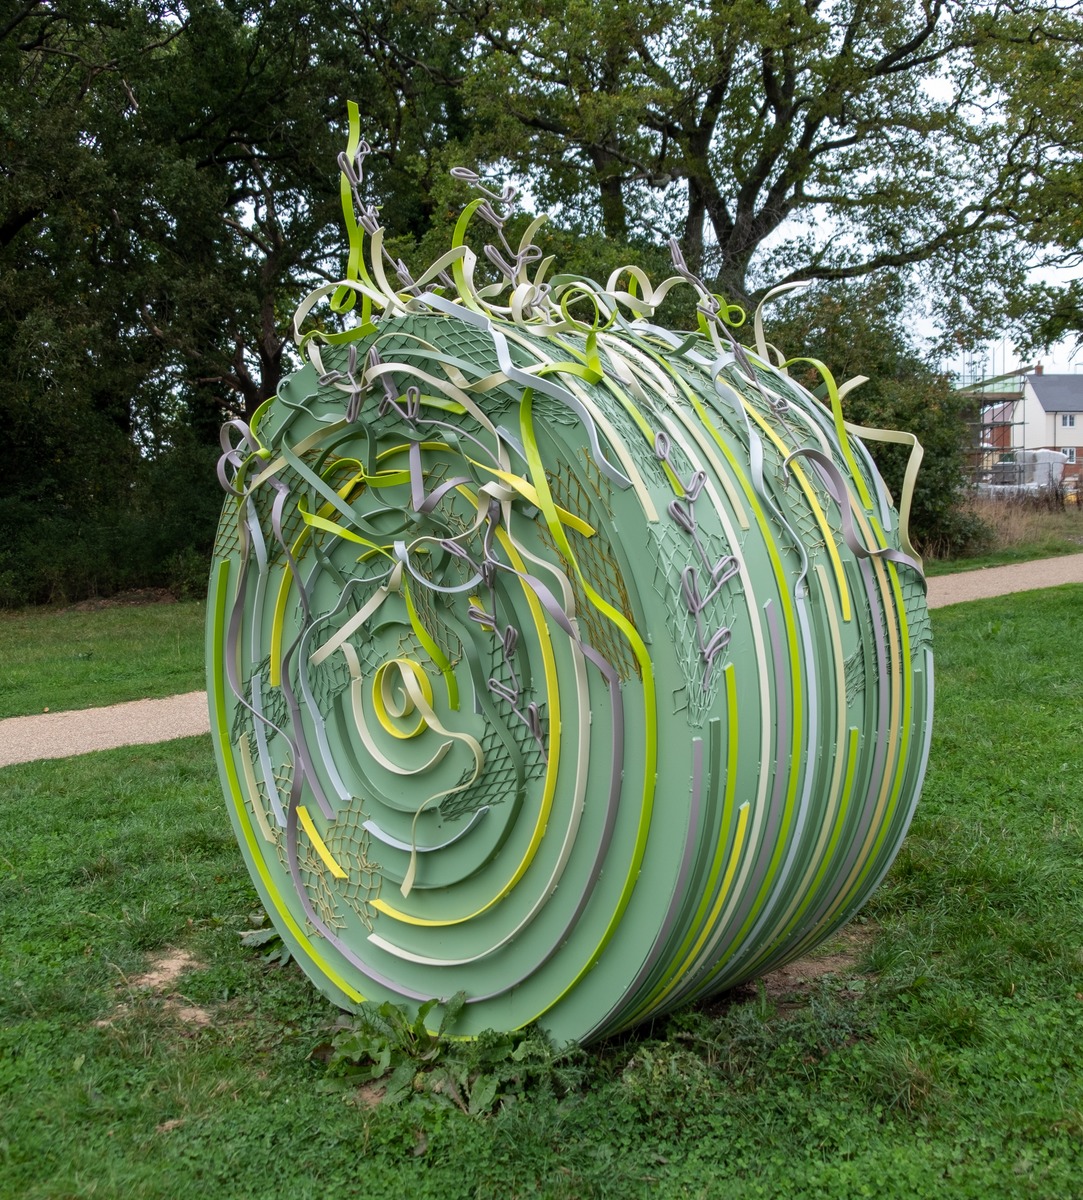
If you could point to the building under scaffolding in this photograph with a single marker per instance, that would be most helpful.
(995, 420)
(1024, 432)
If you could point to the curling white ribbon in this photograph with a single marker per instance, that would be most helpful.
(415, 696)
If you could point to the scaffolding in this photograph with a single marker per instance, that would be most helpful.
(994, 418)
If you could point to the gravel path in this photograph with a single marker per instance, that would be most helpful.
(1000, 581)
(64, 734)
(139, 722)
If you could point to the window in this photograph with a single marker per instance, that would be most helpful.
(1070, 451)
(1067, 420)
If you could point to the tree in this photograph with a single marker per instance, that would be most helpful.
(1032, 62)
(782, 140)
(168, 192)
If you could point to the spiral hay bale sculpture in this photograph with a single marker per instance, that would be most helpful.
(556, 658)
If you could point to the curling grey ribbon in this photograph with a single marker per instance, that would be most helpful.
(368, 215)
(233, 632)
(519, 259)
(356, 389)
(836, 486)
(304, 768)
(720, 573)
(537, 383)
(709, 307)
(232, 456)
(755, 463)
(511, 693)
(715, 370)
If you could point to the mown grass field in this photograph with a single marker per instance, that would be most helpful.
(66, 659)
(945, 1062)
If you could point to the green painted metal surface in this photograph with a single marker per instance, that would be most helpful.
(558, 659)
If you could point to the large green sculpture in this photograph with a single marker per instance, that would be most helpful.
(555, 657)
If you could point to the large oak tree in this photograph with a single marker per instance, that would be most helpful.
(779, 139)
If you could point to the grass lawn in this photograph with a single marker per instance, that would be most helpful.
(944, 1063)
(68, 659)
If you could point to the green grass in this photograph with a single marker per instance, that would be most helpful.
(946, 1064)
(68, 659)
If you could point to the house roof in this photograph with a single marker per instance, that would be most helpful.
(1058, 393)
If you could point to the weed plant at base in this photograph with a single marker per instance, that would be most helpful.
(945, 1064)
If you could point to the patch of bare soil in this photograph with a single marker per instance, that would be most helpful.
(838, 956)
(788, 987)
(157, 985)
(164, 971)
(135, 596)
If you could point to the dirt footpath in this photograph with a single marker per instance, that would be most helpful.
(986, 582)
(139, 722)
(64, 734)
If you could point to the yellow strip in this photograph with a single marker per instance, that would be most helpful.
(218, 699)
(552, 691)
(831, 824)
(381, 696)
(770, 545)
(723, 896)
(318, 843)
(639, 649)
(901, 675)
(627, 404)
(278, 619)
(627, 462)
(847, 794)
(663, 382)
(528, 493)
(894, 761)
(789, 807)
(840, 424)
(817, 511)
(435, 653)
(666, 985)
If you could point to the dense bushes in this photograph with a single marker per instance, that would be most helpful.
(157, 532)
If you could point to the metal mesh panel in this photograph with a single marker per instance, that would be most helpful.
(350, 845)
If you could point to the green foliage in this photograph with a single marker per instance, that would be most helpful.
(1034, 69)
(383, 1045)
(168, 194)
